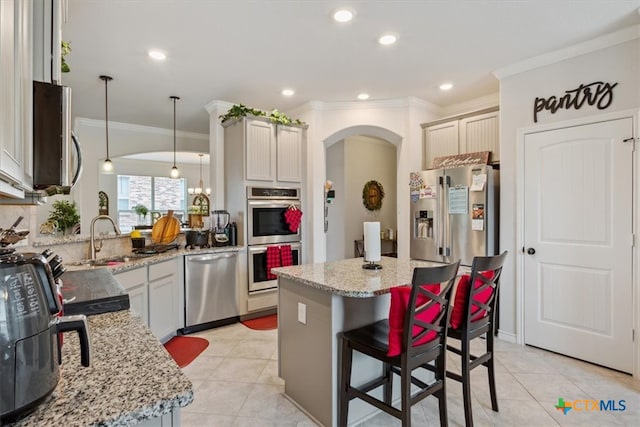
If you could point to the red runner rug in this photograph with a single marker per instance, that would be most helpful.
(185, 349)
(262, 323)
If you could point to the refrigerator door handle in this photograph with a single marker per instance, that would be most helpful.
(440, 224)
(445, 216)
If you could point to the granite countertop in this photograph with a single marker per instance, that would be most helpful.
(131, 378)
(348, 278)
(136, 261)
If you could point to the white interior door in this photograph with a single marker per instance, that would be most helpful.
(578, 242)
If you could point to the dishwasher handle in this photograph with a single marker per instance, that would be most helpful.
(211, 257)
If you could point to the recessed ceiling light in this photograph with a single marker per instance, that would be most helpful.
(446, 86)
(288, 92)
(343, 15)
(157, 55)
(387, 39)
(363, 96)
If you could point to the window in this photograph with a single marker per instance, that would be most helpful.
(157, 193)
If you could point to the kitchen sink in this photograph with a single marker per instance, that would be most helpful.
(113, 260)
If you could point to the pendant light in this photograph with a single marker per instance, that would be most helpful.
(107, 166)
(200, 188)
(175, 173)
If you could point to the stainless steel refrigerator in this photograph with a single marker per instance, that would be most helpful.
(454, 213)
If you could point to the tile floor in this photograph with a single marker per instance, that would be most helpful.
(236, 384)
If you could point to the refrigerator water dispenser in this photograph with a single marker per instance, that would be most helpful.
(423, 225)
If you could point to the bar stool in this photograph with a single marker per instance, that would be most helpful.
(473, 316)
(412, 337)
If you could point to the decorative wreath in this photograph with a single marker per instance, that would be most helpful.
(372, 195)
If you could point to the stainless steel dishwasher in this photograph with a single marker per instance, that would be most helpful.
(210, 291)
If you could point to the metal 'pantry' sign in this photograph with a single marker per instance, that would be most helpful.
(599, 94)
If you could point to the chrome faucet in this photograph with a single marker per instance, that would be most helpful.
(95, 249)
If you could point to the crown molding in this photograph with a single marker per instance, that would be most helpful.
(480, 103)
(217, 105)
(82, 121)
(608, 40)
(408, 102)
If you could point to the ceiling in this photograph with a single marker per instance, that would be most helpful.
(247, 51)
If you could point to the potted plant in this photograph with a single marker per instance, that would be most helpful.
(65, 214)
(142, 212)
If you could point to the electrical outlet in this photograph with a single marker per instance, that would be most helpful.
(23, 242)
(302, 313)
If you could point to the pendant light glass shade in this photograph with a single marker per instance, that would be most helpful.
(107, 166)
(175, 173)
(200, 188)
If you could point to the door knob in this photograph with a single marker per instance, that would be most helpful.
(531, 251)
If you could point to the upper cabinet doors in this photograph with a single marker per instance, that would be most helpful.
(260, 150)
(16, 43)
(468, 133)
(273, 152)
(289, 154)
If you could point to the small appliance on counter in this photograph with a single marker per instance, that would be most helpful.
(197, 238)
(30, 322)
(219, 228)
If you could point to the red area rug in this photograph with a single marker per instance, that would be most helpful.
(262, 323)
(185, 349)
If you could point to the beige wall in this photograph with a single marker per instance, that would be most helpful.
(351, 163)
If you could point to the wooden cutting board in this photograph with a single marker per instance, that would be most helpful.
(165, 230)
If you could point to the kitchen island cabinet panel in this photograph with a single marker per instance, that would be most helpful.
(315, 303)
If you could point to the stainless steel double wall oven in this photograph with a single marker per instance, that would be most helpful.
(267, 226)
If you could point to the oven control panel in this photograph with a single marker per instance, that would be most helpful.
(273, 193)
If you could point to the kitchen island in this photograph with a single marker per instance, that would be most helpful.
(315, 303)
(131, 379)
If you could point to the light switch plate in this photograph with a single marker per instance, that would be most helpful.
(302, 313)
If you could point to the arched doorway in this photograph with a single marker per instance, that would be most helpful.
(353, 157)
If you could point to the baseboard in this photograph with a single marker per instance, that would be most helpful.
(261, 313)
(507, 336)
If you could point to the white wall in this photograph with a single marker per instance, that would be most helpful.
(336, 210)
(618, 63)
(397, 121)
(123, 139)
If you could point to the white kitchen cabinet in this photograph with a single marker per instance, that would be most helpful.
(467, 133)
(135, 283)
(289, 154)
(155, 293)
(163, 298)
(16, 45)
(268, 152)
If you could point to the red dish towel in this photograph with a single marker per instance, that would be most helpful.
(285, 255)
(273, 260)
(293, 216)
